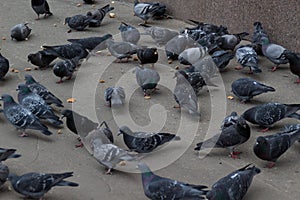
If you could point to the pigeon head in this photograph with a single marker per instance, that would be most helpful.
(261, 148)
(264, 41)
(23, 89)
(67, 113)
(6, 98)
(29, 79)
(13, 178)
(89, 14)
(143, 167)
(67, 19)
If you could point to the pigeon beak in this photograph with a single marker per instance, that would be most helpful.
(119, 133)
(61, 117)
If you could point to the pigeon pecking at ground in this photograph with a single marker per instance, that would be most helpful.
(121, 50)
(145, 10)
(143, 142)
(294, 60)
(21, 117)
(230, 41)
(159, 34)
(222, 58)
(247, 57)
(147, 79)
(36, 185)
(161, 188)
(66, 68)
(4, 66)
(147, 56)
(20, 32)
(41, 90)
(271, 147)
(230, 137)
(246, 88)
(67, 51)
(37, 105)
(233, 186)
(41, 59)
(266, 115)
(41, 7)
(114, 96)
(129, 33)
(98, 15)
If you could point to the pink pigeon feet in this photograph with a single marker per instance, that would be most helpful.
(270, 165)
(298, 81)
(60, 81)
(235, 154)
(238, 67)
(23, 135)
(264, 130)
(274, 68)
(79, 145)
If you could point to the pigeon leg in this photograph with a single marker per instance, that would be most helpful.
(270, 165)
(264, 130)
(238, 67)
(250, 71)
(108, 104)
(298, 81)
(79, 145)
(60, 81)
(23, 134)
(274, 68)
(152, 65)
(234, 154)
(38, 18)
(177, 106)
(69, 78)
(108, 172)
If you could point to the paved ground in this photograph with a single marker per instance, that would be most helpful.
(57, 153)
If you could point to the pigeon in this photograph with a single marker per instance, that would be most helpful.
(89, 1)
(147, 79)
(20, 32)
(79, 22)
(230, 120)
(246, 88)
(114, 96)
(67, 51)
(184, 95)
(258, 34)
(233, 186)
(121, 50)
(271, 147)
(266, 115)
(21, 117)
(291, 127)
(41, 90)
(4, 66)
(109, 155)
(206, 66)
(8, 153)
(177, 45)
(41, 59)
(247, 57)
(129, 33)
(98, 15)
(145, 10)
(143, 142)
(36, 185)
(222, 58)
(92, 43)
(161, 188)
(274, 52)
(230, 137)
(36, 104)
(4, 172)
(159, 34)
(230, 41)
(41, 7)
(294, 60)
(191, 55)
(81, 125)
(147, 55)
(65, 68)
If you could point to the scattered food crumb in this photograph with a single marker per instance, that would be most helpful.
(3, 38)
(59, 131)
(55, 25)
(35, 68)
(71, 100)
(28, 69)
(112, 15)
(147, 97)
(230, 97)
(78, 5)
(108, 54)
(177, 67)
(101, 81)
(170, 61)
(135, 58)
(122, 163)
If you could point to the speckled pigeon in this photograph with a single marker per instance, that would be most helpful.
(129, 33)
(21, 117)
(67, 51)
(247, 57)
(114, 96)
(20, 32)
(234, 186)
(66, 68)
(98, 15)
(41, 90)
(144, 142)
(266, 115)
(230, 137)
(145, 10)
(36, 185)
(147, 55)
(230, 120)
(159, 34)
(192, 55)
(4, 66)
(246, 88)
(41, 7)
(37, 105)
(147, 79)
(41, 59)
(294, 60)
(222, 58)
(121, 50)
(79, 22)
(271, 147)
(161, 188)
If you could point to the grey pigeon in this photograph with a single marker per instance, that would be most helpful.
(4, 66)
(145, 10)
(247, 57)
(294, 61)
(109, 155)
(79, 22)
(230, 137)
(129, 33)
(36, 185)
(21, 117)
(147, 55)
(65, 68)
(121, 50)
(147, 79)
(258, 34)
(143, 142)
(114, 96)
(4, 172)
(67, 51)
(8, 153)
(271, 147)
(266, 115)
(177, 45)
(184, 95)
(161, 188)
(41, 90)
(93, 43)
(36, 105)
(230, 120)
(222, 58)
(20, 32)
(98, 15)
(41, 7)
(206, 66)
(229, 41)
(192, 55)
(234, 186)
(41, 59)
(274, 52)
(159, 34)
(246, 88)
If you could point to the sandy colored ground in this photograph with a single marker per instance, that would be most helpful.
(58, 154)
